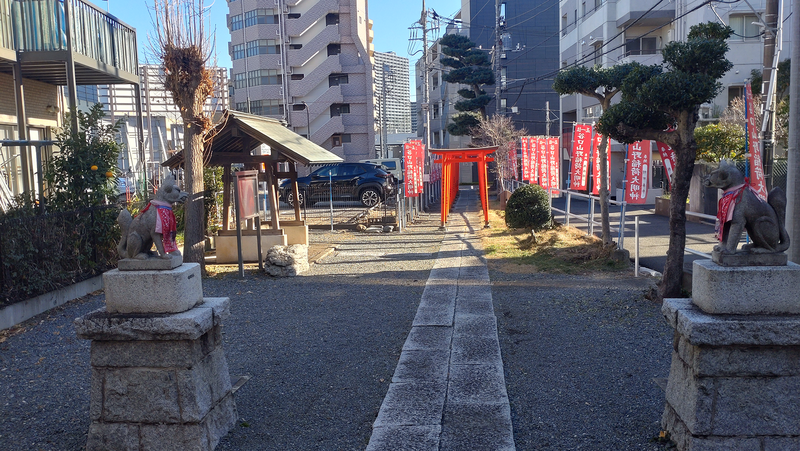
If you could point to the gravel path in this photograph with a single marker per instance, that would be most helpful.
(580, 354)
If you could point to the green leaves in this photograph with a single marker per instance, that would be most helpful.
(472, 67)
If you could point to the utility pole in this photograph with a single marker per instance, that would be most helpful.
(793, 169)
(426, 98)
(768, 88)
(498, 47)
(547, 121)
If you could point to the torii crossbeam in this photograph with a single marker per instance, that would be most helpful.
(450, 159)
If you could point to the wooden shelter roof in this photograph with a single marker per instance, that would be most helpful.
(238, 134)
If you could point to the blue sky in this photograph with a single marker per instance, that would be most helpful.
(391, 23)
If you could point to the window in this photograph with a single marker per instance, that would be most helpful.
(293, 15)
(337, 141)
(436, 111)
(334, 49)
(337, 109)
(640, 46)
(745, 27)
(263, 47)
(298, 107)
(735, 92)
(239, 81)
(337, 79)
(238, 52)
(260, 16)
(298, 76)
(295, 46)
(332, 19)
(266, 107)
(264, 77)
(236, 22)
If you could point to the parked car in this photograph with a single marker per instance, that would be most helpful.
(364, 182)
(393, 166)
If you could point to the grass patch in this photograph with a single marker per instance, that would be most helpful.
(559, 250)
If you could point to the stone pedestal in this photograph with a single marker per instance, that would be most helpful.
(159, 381)
(153, 291)
(734, 381)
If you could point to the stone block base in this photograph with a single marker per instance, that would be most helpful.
(227, 248)
(734, 381)
(159, 382)
(153, 291)
(749, 290)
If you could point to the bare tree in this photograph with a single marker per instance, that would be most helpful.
(498, 130)
(184, 49)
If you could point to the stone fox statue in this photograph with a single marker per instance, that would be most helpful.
(155, 224)
(741, 208)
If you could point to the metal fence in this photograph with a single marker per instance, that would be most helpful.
(337, 207)
(39, 254)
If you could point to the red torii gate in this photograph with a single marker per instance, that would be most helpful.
(450, 159)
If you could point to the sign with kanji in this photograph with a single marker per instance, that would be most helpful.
(581, 147)
(668, 158)
(533, 144)
(637, 173)
(553, 162)
(410, 168)
(526, 158)
(598, 138)
(754, 147)
(541, 157)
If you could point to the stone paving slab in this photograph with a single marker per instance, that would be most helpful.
(448, 391)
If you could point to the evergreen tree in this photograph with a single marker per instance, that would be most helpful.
(471, 67)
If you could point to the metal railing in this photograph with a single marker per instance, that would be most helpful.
(41, 25)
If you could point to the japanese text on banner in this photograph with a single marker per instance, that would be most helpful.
(668, 158)
(637, 174)
(598, 139)
(541, 156)
(754, 147)
(581, 146)
(553, 160)
(526, 161)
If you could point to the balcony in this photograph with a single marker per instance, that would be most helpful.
(41, 35)
(646, 57)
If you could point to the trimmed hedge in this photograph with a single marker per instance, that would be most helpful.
(529, 208)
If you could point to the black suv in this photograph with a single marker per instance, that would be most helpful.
(363, 182)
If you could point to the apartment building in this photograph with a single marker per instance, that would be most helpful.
(310, 64)
(41, 52)
(616, 32)
(392, 96)
(528, 58)
(161, 118)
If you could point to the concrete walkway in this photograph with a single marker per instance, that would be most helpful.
(448, 391)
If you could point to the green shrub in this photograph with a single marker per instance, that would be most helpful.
(528, 208)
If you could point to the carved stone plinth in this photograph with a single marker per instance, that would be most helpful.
(159, 381)
(153, 291)
(734, 381)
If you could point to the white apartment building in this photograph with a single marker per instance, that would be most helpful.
(308, 62)
(609, 32)
(163, 125)
(394, 70)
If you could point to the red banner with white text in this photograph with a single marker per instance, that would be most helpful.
(637, 174)
(526, 160)
(581, 148)
(553, 162)
(598, 138)
(541, 157)
(668, 158)
(754, 147)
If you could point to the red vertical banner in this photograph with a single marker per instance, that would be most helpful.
(532, 150)
(526, 158)
(754, 147)
(668, 158)
(410, 168)
(420, 155)
(553, 161)
(598, 139)
(637, 174)
(541, 155)
(581, 146)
